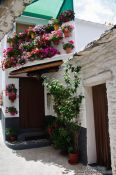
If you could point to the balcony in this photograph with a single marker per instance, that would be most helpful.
(41, 44)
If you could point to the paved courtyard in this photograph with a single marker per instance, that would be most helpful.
(39, 161)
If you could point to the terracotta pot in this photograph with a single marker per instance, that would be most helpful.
(68, 50)
(12, 138)
(11, 44)
(32, 35)
(73, 158)
(50, 131)
(56, 42)
(12, 96)
(12, 113)
(56, 26)
(67, 34)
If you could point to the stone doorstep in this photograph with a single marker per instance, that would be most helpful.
(28, 144)
(31, 135)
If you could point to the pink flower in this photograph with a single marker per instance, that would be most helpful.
(71, 42)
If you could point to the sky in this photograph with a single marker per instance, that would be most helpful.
(100, 11)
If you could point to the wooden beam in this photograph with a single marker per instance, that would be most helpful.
(45, 66)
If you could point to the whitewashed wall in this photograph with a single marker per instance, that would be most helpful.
(87, 32)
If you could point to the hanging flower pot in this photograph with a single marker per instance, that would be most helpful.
(67, 29)
(12, 110)
(32, 35)
(12, 96)
(67, 33)
(12, 113)
(56, 42)
(56, 24)
(68, 47)
(11, 92)
(68, 50)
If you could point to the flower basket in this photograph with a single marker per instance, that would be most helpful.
(66, 16)
(11, 92)
(12, 96)
(56, 36)
(56, 24)
(12, 110)
(68, 47)
(67, 29)
(68, 50)
(56, 42)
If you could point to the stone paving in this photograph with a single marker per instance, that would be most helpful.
(39, 161)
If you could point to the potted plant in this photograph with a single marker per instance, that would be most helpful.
(12, 110)
(67, 29)
(66, 16)
(49, 28)
(73, 156)
(10, 134)
(40, 30)
(67, 107)
(31, 32)
(11, 92)
(68, 47)
(56, 36)
(56, 24)
(73, 153)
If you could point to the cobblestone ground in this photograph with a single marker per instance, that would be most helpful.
(39, 161)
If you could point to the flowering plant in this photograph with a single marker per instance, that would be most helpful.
(50, 52)
(12, 110)
(27, 46)
(66, 16)
(10, 88)
(14, 40)
(10, 52)
(40, 30)
(34, 54)
(9, 62)
(43, 42)
(70, 44)
(43, 53)
(56, 36)
(66, 28)
(56, 22)
(31, 32)
(11, 92)
(49, 28)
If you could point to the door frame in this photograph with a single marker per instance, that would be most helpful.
(89, 109)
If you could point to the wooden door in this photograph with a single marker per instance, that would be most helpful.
(101, 125)
(31, 103)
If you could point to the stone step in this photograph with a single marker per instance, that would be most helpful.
(31, 130)
(32, 135)
(28, 144)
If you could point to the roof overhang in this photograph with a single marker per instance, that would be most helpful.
(37, 69)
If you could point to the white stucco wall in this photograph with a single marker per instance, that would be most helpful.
(87, 31)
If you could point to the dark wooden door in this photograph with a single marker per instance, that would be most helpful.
(31, 103)
(101, 125)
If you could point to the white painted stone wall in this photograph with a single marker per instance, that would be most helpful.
(87, 31)
(99, 66)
